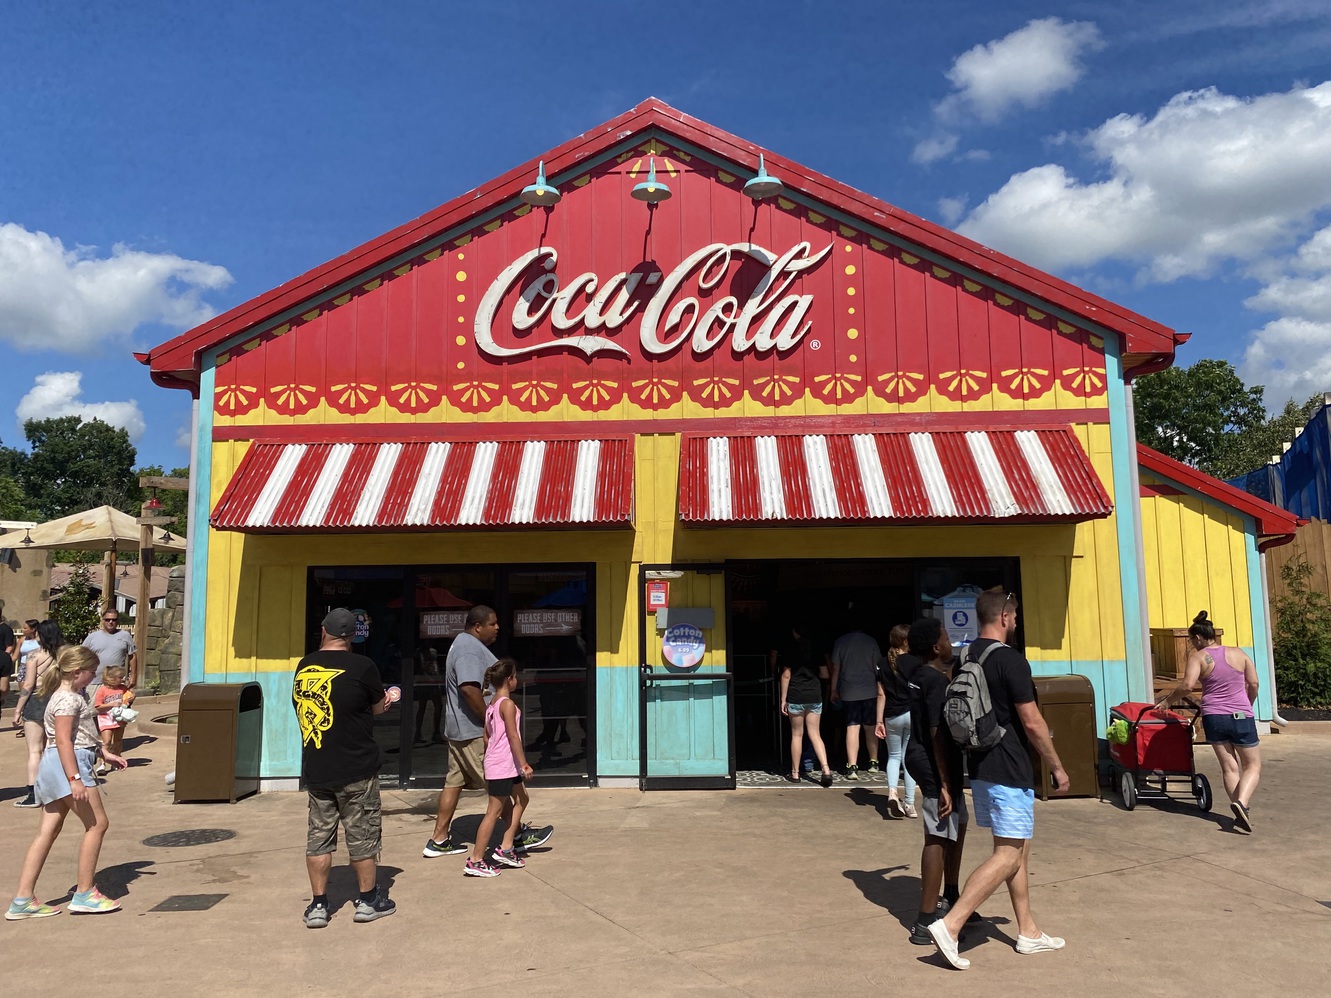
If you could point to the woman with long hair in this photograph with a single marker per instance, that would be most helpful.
(1229, 689)
(802, 701)
(65, 782)
(31, 706)
(894, 718)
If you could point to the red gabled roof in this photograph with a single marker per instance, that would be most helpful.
(1275, 526)
(176, 363)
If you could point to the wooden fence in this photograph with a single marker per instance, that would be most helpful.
(1312, 542)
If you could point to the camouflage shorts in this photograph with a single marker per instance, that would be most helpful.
(357, 807)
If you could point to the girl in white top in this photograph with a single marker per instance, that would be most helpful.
(65, 782)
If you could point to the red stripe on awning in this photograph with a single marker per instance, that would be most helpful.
(1037, 475)
(295, 487)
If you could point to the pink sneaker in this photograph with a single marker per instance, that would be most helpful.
(479, 868)
(509, 858)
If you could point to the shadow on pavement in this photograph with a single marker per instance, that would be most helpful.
(864, 797)
(343, 889)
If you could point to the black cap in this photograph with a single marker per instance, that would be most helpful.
(340, 623)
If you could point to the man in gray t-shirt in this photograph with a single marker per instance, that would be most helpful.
(112, 647)
(464, 721)
(855, 658)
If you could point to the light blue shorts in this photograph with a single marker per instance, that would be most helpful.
(1008, 811)
(804, 708)
(52, 784)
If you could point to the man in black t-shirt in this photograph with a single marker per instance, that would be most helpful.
(336, 694)
(1003, 783)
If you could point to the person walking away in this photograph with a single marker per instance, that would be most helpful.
(894, 718)
(855, 658)
(933, 758)
(113, 647)
(8, 654)
(1229, 690)
(30, 710)
(336, 694)
(464, 729)
(65, 782)
(112, 694)
(802, 702)
(506, 769)
(1003, 783)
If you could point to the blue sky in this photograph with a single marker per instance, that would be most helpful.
(163, 162)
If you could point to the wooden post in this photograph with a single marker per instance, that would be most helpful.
(109, 580)
(145, 577)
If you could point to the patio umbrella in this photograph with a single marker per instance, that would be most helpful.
(102, 529)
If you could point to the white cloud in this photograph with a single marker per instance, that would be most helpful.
(1291, 355)
(934, 148)
(74, 300)
(59, 393)
(951, 209)
(1209, 178)
(1023, 69)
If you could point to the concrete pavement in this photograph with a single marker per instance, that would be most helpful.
(755, 892)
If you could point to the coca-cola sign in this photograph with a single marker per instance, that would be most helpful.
(591, 311)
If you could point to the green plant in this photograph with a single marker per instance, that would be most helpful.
(76, 609)
(1302, 640)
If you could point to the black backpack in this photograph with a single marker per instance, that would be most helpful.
(968, 710)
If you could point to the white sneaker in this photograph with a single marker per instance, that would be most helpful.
(1045, 944)
(947, 945)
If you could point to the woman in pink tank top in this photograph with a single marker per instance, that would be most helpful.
(1229, 689)
(505, 770)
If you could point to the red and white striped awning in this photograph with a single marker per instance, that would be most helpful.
(290, 487)
(1007, 476)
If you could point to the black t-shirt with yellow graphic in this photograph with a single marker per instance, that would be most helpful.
(334, 693)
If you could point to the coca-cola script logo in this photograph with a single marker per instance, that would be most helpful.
(767, 319)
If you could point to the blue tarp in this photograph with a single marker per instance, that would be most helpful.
(1301, 480)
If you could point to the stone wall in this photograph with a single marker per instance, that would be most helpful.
(165, 627)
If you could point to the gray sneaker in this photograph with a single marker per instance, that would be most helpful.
(368, 911)
(532, 838)
(316, 915)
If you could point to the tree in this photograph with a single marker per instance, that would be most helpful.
(1192, 413)
(77, 608)
(75, 465)
(1302, 641)
(174, 503)
(1247, 451)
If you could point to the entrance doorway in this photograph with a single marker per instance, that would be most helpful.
(412, 615)
(830, 598)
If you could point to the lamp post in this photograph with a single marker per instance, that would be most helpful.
(148, 519)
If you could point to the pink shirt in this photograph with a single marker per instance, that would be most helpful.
(1225, 690)
(499, 761)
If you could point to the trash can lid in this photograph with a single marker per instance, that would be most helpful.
(1064, 689)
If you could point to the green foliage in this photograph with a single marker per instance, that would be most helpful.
(174, 503)
(1205, 416)
(1302, 640)
(75, 465)
(1188, 413)
(77, 609)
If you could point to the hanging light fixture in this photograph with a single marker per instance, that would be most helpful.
(764, 185)
(540, 193)
(27, 537)
(166, 537)
(651, 190)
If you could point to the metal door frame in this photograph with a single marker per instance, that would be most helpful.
(646, 678)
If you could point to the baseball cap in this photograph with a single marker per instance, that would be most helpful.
(340, 623)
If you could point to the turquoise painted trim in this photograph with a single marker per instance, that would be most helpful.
(616, 721)
(1265, 708)
(281, 733)
(201, 470)
(1127, 510)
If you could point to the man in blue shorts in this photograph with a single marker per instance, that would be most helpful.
(1003, 784)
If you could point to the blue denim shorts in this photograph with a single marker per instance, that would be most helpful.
(1008, 811)
(1227, 729)
(804, 708)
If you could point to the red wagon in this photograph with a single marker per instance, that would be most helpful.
(1158, 750)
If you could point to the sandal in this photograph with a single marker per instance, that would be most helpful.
(792, 777)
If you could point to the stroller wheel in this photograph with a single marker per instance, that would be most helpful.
(1201, 789)
(1127, 789)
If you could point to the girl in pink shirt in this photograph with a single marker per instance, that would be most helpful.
(505, 769)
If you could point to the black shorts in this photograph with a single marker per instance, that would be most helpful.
(860, 711)
(504, 787)
(6, 665)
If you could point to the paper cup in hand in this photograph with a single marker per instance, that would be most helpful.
(394, 694)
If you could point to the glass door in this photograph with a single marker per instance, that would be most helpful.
(685, 700)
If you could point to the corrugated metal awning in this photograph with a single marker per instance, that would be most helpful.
(1005, 476)
(416, 485)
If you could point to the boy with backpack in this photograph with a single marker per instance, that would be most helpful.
(991, 712)
(934, 762)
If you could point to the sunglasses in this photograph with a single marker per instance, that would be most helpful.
(111, 620)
